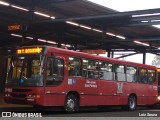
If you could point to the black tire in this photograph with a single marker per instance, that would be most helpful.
(132, 103)
(71, 104)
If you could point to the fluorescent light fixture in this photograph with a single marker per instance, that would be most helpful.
(85, 27)
(159, 48)
(145, 44)
(144, 21)
(121, 37)
(138, 42)
(51, 42)
(76, 24)
(131, 49)
(63, 44)
(110, 34)
(68, 45)
(155, 47)
(29, 38)
(72, 23)
(52, 17)
(117, 49)
(41, 14)
(42, 40)
(20, 8)
(97, 30)
(4, 3)
(145, 15)
(155, 20)
(141, 43)
(157, 26)
(16, 35)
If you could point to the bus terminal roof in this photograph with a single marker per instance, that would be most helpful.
(78, 24)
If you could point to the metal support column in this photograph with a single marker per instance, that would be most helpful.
(144, 58)
(109, 54)
(112, 54)
(59, 44)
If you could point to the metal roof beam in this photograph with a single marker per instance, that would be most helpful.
(107, 15)
(127, 55)
(47, 2)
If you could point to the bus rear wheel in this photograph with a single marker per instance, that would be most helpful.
(132, 103)
(71, 104)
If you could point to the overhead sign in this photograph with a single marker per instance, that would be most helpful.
(29, 50)
(17, 27)
(14, 27)
(98, 51)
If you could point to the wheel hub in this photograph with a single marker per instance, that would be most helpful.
(70, 104)
(132, 104)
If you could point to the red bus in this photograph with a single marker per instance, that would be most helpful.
(49, 76)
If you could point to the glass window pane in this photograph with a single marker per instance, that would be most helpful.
(119, 68)
(90, 69)
(151, 76)
(105, 71)
(75, 66)
(55, 71)
(131, 74)
(143, 75)
(120, 72)
(85, 65)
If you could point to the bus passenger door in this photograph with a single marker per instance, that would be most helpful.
(54, 83)
(107, 86)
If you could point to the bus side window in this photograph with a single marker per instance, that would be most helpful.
(131, 74)
(143, 77)
(93, 69)
(120, 72)
(85, 65)
(49, 66)
(75, 66)
(90, 69)
(151, 76)
(55, 71)
(106, 71)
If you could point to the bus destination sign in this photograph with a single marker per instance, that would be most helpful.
(29, 50)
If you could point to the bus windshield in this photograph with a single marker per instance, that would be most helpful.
(25, 70)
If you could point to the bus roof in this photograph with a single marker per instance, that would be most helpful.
(90, 56)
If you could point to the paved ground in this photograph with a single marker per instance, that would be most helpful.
(84, 112)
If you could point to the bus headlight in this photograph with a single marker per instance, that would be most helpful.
(33, 96)
(7, 95)
(158, 98)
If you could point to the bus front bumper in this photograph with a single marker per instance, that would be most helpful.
(8, 98)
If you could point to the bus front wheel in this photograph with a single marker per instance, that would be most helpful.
(71, 104)
(132, 103)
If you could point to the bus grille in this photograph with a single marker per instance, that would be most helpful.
(18, 95)
(21, 90)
